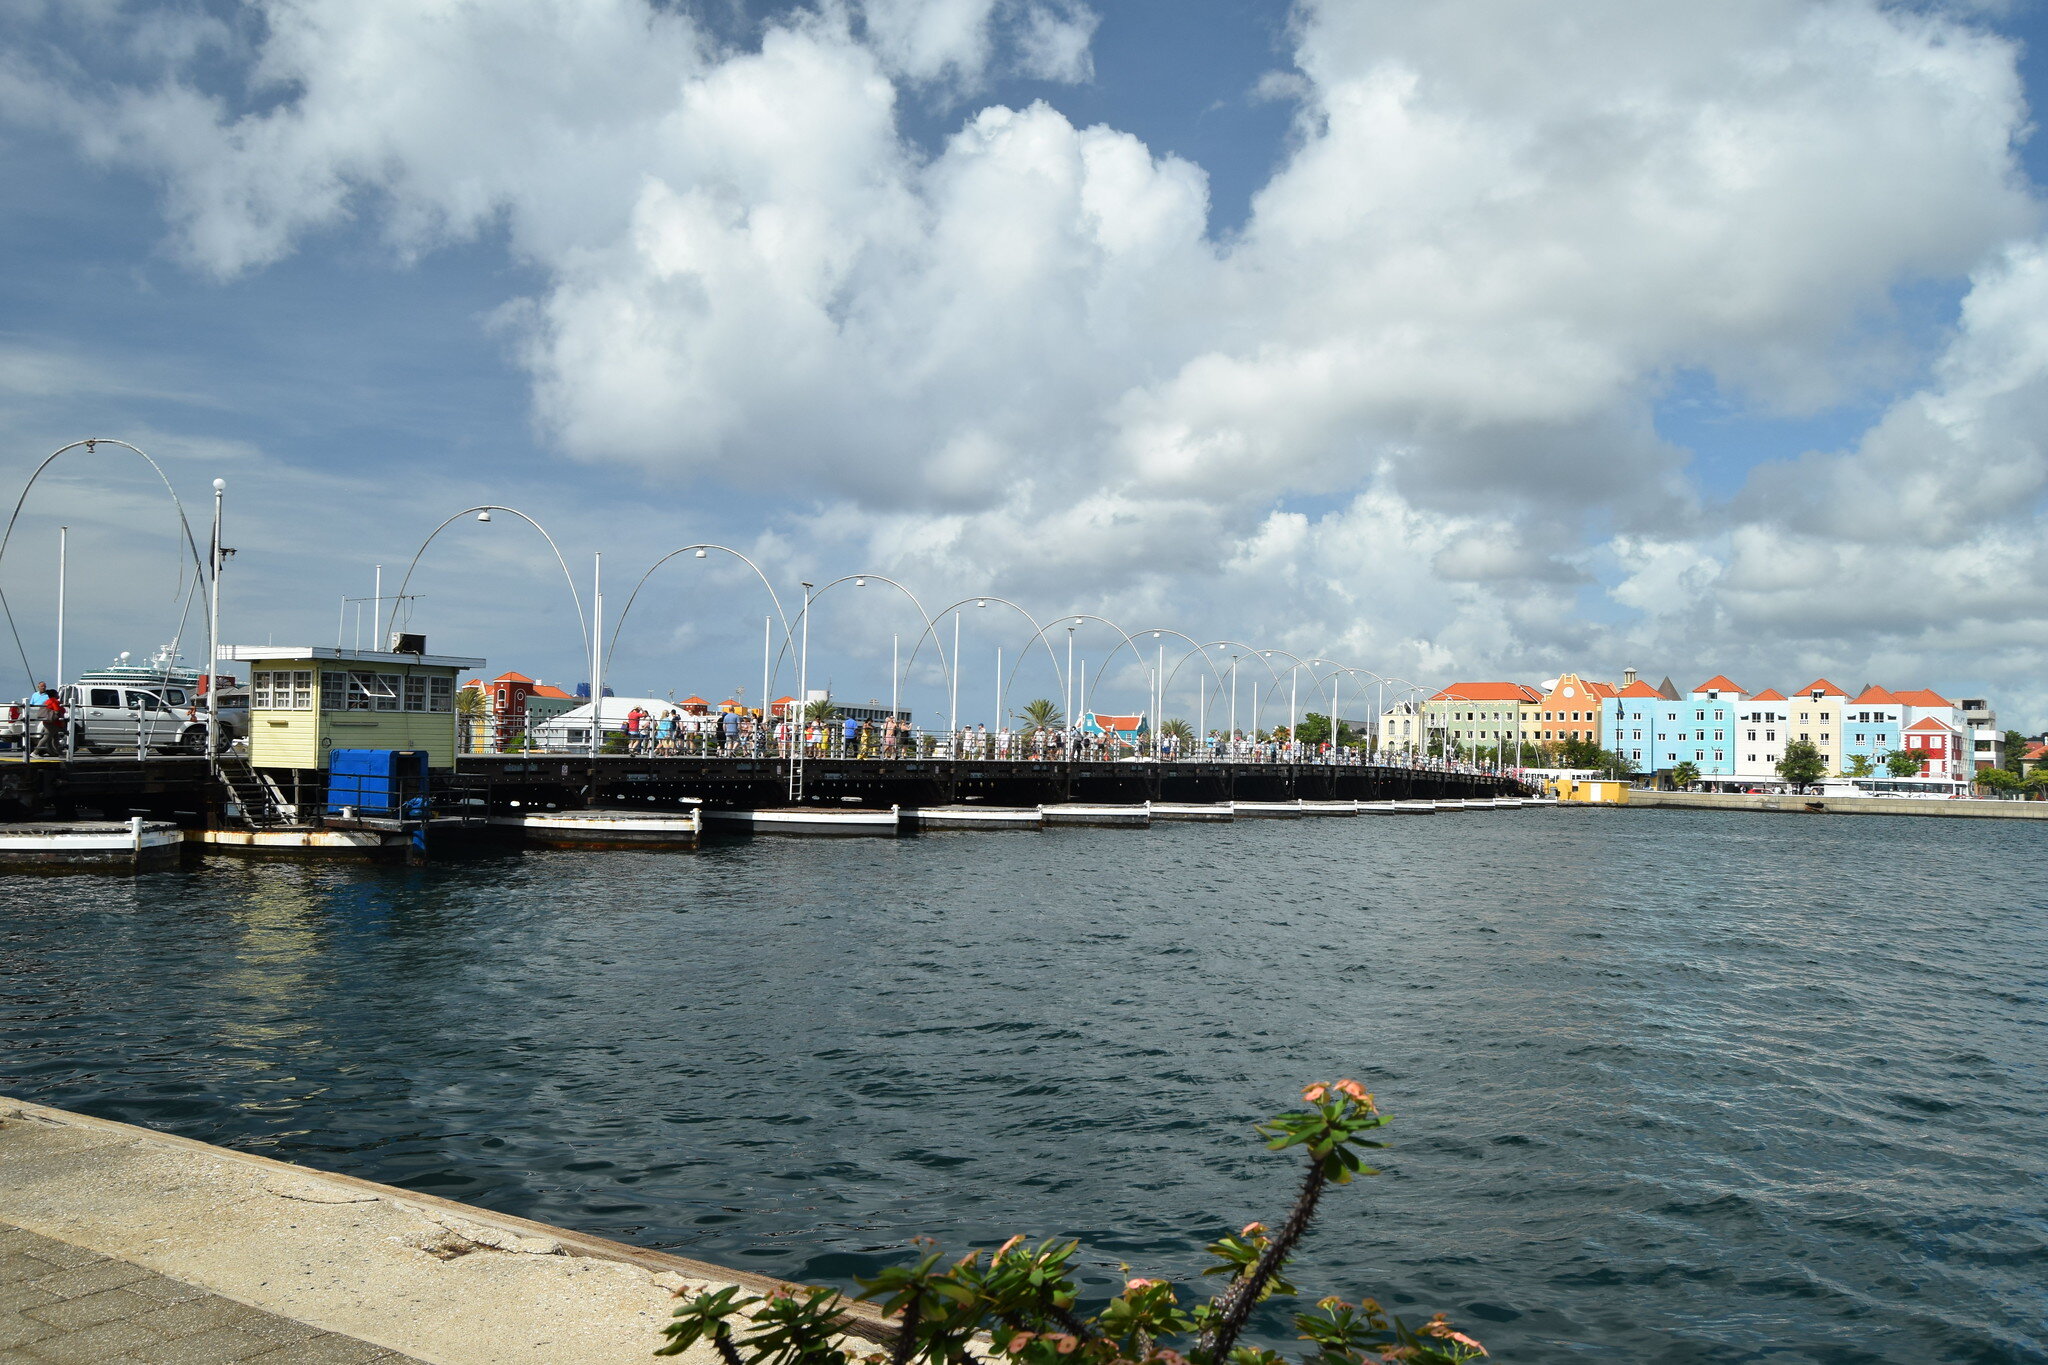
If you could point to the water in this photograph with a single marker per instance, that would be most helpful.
(1668, 1087)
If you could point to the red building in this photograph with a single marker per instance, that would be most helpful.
(1938, 747)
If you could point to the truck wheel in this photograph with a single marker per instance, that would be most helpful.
(194, 741)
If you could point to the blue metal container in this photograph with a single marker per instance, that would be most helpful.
(375, 782)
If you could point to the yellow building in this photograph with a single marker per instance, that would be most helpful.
(305, 700)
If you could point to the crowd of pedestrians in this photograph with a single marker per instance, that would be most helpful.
(673, 732)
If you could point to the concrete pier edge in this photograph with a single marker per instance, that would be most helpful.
(186, 1166)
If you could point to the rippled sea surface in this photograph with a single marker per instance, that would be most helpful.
(1668, 1086)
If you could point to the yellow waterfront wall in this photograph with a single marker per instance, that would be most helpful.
(1593, 793)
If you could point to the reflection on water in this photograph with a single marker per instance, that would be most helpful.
(1667, 1086)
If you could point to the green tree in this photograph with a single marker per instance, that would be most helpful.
(1999, 782)
(1859, 765)
(1803, 763)
(1176, 728)
(1040, 713)
(469, 711)
(1315, 728)
(2015, 753)
(1684, 775)
(821, 709)
(1902, 763)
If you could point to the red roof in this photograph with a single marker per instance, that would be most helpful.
(1823, 685)
(1639, 688)
(781, 700)
(512, 677)
(693, 701)
(1118, 722)
(550, 690)
(1924, 697)
(1930, 723)
(1718, 683)
(1769, 694)
(1601, 689)
(1488, 691)
(1875, 696)
(2034, 750)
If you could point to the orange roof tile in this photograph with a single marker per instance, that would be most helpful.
(1769, 694)
(511, 677)
(1930, 723)
(1718, 683)
(550, 690)
(1488, 691)
(1823, 685)
(1875, 696)
(1639, 688)
(1601, 689)
(1926, 696)
(1118, 722)
(693, 701)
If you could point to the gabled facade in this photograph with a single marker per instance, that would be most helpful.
(1705, 734)
(1571, 709)
(1759, 738)
(1628, 724)
(1871, 726)
(1814, 713)
(1939, 746)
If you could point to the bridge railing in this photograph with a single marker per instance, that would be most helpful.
(709, 736)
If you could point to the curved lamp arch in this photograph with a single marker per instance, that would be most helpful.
(581, 620)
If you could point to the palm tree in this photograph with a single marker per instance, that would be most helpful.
(821, 709)
(1040, 714)
(469, 708)
(1176, 729)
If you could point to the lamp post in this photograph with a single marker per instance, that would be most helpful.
(803, 702)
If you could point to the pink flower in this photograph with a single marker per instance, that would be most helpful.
(1004, 1249)
(1358, 1093)
(1134, 1286)
(1316, 1093)
(1252, 1230)
(1067, 1344)
(1018, 1342)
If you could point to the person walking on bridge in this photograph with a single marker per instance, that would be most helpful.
(51, 710)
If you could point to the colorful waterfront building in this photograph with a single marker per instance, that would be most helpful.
(1707, 735)
(1940, 748)
(1760, 738)
(1478, 715)
(1814, 714)
(1871, 727)
(1629, 722)
(1570, 708)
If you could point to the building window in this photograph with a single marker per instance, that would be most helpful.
(1699, 715)
(1823, 736)
(1770, 734)
(1751, 736)
(1635, 753)
(281, 689)
(1717, 734)
(1717, 755)
(1699, 753)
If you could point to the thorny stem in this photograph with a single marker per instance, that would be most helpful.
(1235, 1304)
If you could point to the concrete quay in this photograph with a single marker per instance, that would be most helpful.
(1837, 805)
(124, 1246)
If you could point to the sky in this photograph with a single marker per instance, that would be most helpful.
(1463, 341)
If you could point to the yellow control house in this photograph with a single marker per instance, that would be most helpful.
(306, 700)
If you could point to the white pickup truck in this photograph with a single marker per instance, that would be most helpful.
(124, 717)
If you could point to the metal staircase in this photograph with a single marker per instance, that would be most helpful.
(251, 794)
